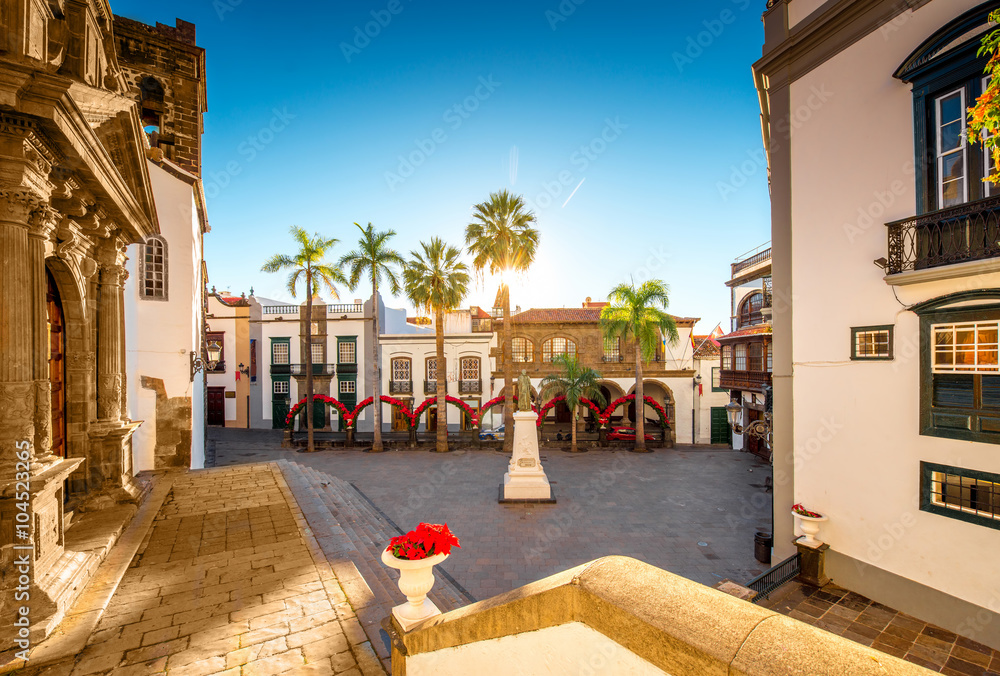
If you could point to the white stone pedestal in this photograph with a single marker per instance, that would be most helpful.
(525, 478)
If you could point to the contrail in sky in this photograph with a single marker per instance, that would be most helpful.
(574, 191)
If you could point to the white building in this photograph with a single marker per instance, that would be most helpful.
(409, 366)
(164, 314)
(711, 422)
(885, 376)
(228, 380)
(341, 355)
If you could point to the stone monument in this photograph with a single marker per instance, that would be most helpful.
(525, 479)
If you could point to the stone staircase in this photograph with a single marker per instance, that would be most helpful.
(352, 534)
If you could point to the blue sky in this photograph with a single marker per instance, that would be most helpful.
(405, 113)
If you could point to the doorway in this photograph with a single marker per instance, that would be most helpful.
(432, 419)
(720, 425)
(216, 406)
(400, 421)
(57, 366)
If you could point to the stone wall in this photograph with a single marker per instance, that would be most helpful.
(170, 55)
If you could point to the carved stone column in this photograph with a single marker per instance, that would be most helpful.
(110, 336)
(17, 388)
(42, 222)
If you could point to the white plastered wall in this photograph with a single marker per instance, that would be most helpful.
(857, 448)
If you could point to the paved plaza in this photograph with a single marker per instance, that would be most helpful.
(227, 581)
(690, 510)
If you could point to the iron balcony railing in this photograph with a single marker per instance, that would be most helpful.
(470, 386)
(751, 258)
(281, 369)
(430, 386)
(768, 582)
(400, 387)
(968, 232)
(318, 369)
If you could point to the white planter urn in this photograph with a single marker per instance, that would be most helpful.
(416, 578)
(809, 525)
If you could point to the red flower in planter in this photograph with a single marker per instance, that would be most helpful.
(427, 540)
(802, 511)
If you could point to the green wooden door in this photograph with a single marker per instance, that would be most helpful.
(720, 425)
(279, 411)
(319, 414)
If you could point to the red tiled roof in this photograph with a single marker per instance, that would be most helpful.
(705, 347)
(479, 313)
(761, 329)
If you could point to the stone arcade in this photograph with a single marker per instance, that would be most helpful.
(74, 193)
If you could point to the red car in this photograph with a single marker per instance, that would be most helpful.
(625, 434)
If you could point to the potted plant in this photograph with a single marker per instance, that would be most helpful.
(414, 555)
(809, 524)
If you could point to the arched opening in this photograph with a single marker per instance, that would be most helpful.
(57, 364)
(555, 347)
(151, 103)
(750, 310)
(662, 395)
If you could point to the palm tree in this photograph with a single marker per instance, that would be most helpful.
(575, 383)
(638, 314)
(436, 280)
(308, 262)
(374, 259)
(502, 241)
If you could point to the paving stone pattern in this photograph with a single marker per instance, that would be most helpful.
(352, 535)
(226, 583)
(853, 616)
(655, 507)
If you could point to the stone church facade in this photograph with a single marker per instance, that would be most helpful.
(74, 194)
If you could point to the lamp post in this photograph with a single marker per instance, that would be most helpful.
(695, 382)
(214, 353)
(757, 428)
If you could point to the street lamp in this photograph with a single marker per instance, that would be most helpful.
(757, 428)
(214, 353)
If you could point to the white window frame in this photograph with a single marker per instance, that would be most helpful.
(277, 357)
(961, 148)
(313, 349)
(974, 347)
(988, 188)
(278, 390)
(727, 357)
(351, 350)
(348, 387)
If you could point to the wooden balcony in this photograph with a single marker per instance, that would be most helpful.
(968, 232)
(746, 381)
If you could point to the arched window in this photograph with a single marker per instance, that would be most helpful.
(727, 357)
(400, 383)
(430, 369)
(154, 269)
(522, 350)
(470, 368)
(400, 369)
(151, 102)
(553, 347)
(750, 313)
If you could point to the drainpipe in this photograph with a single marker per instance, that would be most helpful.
(695, 382)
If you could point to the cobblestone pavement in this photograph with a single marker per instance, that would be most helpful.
(690, 510)
(860, 619)
(226, 583)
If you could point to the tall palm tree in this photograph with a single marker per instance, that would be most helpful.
(502, 241)
(436, 280)
(308, 263)
(575, 383)
(374, 259)
(638, 314)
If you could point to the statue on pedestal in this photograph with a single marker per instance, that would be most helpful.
(523, 392)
